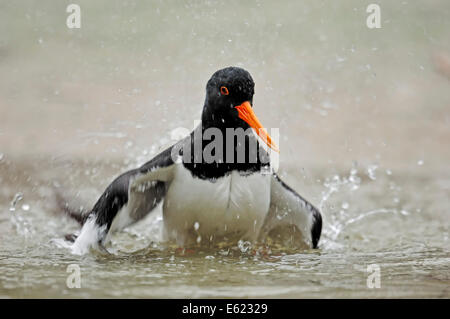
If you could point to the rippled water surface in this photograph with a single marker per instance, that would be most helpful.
(369, 218)
(363, 116)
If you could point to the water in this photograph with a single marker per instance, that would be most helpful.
(363, 225)
(364, 135)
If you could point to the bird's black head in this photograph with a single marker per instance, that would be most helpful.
(227, 88)
(228, 103)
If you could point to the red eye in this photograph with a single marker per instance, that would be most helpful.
(224, 90)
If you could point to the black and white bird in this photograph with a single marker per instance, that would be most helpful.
(210, 194)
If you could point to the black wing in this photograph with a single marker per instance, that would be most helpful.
(288, 208)
(139, 191)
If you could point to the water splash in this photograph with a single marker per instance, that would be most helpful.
(244, 246)
(339, 211)
(17, 198)
(336, 183)
(371, 171)
(22, 225)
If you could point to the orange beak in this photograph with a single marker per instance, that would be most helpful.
(246, 113)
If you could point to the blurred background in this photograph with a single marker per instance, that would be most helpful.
(134, 71)
(364, 118)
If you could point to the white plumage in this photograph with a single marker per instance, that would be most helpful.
(231, 207)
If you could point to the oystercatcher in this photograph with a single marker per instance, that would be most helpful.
(212, 189)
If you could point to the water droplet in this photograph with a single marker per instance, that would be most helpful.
(328, 105)
(420, 162)
(196, 225)
(371, 171)
(345, 205)
(244, 246)
(26, 207)
(18, 197)
(199, 239)
(323, 112)
(128, 144)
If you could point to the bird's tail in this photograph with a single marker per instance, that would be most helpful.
(66, 206)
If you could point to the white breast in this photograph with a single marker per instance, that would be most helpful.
(203, 211)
